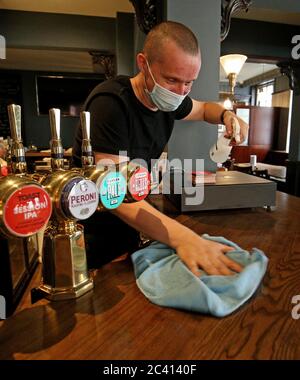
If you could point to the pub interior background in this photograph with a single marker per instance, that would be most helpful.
(57, 52)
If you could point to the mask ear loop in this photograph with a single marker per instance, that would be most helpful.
(146, 87)
(150, 72)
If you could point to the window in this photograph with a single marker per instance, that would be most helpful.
(244, 114)
(264, 93)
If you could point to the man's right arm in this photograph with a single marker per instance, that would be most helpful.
(193, 250)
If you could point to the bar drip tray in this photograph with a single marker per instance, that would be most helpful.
(233, 189)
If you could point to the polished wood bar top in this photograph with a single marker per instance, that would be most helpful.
(115, 321)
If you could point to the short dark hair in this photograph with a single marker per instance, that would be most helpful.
(170, 31)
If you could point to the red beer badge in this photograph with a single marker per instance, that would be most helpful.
(139, 184)
(3, 171)
(27, 210)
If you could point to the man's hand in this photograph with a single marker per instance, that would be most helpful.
(231, 120)
(208, 255)
(191, 248)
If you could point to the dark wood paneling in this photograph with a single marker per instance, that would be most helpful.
(281, 128)
(242, 153)
(263, 126)
(276, 157)
(262, 121)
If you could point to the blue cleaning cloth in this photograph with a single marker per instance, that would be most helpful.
(165, 280)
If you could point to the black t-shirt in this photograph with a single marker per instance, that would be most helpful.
(120, 122)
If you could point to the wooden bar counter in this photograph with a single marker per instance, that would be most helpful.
(115, 321)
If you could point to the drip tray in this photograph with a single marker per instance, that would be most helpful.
(233, 189)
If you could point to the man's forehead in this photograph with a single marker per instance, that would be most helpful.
(169, 53)
(174, 62)
(166, 48)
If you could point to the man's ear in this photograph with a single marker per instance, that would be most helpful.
(141, 62)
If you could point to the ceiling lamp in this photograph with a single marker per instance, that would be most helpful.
(232, 65)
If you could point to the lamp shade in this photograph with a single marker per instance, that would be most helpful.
(232, 63)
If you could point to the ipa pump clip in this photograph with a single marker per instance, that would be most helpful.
(25, 206)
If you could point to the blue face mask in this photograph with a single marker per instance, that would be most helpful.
(164, 99)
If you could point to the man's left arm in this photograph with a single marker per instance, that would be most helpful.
(214, 113)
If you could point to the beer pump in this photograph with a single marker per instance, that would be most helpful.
(128, 182)
(110, 183)
(25, 208)
(25, 205)
(64, 267)
(75, 195)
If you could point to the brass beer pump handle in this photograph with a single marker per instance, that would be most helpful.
(57, 151)
(87, 158)
(18, 163)
(14, 115)
(85, 120)
(54, 115)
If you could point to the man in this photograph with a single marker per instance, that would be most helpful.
(137, 115)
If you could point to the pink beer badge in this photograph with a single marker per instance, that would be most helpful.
(27, 210)
(139, 184)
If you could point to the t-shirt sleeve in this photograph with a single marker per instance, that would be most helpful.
(184, 109)
(109, 125)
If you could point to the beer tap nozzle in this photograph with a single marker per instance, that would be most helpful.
(57, 151)
(87, 158)
(18, 163)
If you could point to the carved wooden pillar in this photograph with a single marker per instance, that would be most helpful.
(148, 13)
(104, 62)
(292, 70)
(228, 8)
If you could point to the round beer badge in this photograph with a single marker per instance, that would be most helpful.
(27, 210)
(3, 171)
(139, 184)
(112, 190)
(83, 199)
